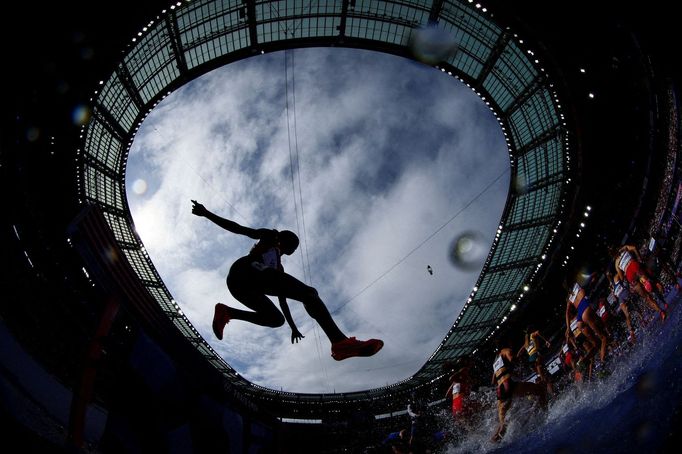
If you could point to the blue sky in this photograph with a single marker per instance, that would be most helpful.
(388, 156)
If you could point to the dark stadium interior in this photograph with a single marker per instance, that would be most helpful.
(153, 385)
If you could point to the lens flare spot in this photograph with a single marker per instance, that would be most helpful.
(111, 255)
(584, 276)
(468, 251)
(32, 134)
(81, 115)
(140, 186)
(432, 45)
(520, 185)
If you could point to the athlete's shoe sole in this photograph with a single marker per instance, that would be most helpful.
(220, 319)
(350, 347)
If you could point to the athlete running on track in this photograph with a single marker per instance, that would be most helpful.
(507, 388)
(578, 299)
(628, 265)
(531, 346)
(260, 273)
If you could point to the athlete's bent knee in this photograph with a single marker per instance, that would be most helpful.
(276, 320)
(311, 293)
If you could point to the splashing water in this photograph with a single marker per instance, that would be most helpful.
(631, 405)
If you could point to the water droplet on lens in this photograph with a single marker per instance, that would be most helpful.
(520, 185)
(468, 251)
(81, 115)
(140, 186)
(432, 45)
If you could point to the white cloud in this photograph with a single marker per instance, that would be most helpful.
(389, 151)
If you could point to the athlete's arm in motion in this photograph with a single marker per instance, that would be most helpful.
(547, 344)
(199, 210)
(295, 333)
(523, 347)
(568, 314)
(447, 392)
(634, 251)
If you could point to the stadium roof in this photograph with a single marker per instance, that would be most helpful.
(611, 142)
(506, 71)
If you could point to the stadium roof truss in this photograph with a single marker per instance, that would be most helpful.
(192, 38)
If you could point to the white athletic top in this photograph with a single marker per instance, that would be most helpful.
(498, 364)
(455, 388)
(270, 258)
(574, 325)
(612, 299)
(624, 260)
(574, 293)
(531, 346)
(619, 289)
(565, 348)
(601, 310)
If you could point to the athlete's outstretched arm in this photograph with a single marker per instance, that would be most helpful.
(199, 210)
(295, 333)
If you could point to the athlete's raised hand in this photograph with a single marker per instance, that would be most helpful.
(296, 335)
(198, 209)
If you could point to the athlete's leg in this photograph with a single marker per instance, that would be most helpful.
(502, 408)
(590, 339)
(243, 283)
(265, 313)
(592, 321)
(639, 290)
(628, 322)
(542, 373)
(282, 284)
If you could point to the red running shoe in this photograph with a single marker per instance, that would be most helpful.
(352, 347)
(220, 319)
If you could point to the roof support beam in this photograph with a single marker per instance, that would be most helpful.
(495, 53)
(176, 45)
(543, 138)
(344, 16)
(109, 122)
(515, 264)
(128, 83)
(532, 88)
(436, 8)
(251, 18)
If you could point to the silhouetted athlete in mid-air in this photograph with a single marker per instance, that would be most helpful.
(260, 273)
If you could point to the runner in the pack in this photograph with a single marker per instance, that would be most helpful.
(460, 390)
(621, 291)
(260, 273)
(583, 349)
(573, 361)
(628, 266)
(578, 300)
(531, 346)
(508, 388)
